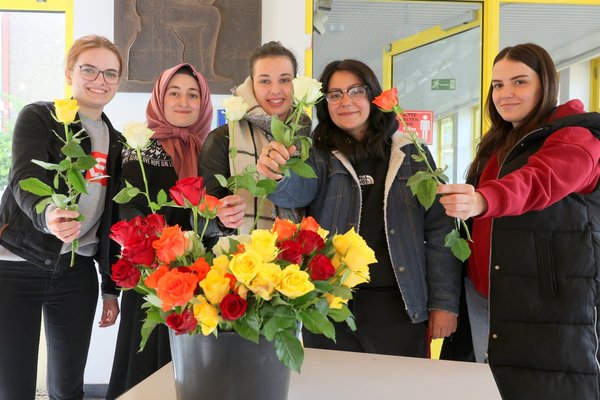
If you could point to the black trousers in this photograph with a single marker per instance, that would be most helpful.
(383, 327)
(67, 296)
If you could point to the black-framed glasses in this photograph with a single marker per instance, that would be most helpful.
(354, 93)
(90, 73)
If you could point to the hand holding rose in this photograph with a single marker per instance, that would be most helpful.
(462, 201)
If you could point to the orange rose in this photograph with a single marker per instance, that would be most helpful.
(284, 228)
(309, 224)
(176, 288)
(200, 268)
(209, 206)
(387, 100)
(152, 280)
(171, 244)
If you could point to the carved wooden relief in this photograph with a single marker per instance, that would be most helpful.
(216, 36)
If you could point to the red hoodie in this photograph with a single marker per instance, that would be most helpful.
(568, 162)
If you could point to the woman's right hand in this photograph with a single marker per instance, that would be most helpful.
(232, 210)
(62, 224)
(461, 200)
(271, 157)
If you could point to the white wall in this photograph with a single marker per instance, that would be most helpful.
(575, 83)
(282, 20)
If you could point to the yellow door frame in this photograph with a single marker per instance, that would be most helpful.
(63, 6)
(595, 85)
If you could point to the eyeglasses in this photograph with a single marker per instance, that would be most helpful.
(90, 73)
(354, 93)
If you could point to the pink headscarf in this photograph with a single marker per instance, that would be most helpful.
(182, 144)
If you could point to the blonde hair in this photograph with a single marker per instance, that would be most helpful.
(91, 42)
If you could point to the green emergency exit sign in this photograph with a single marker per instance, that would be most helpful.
(443, 84)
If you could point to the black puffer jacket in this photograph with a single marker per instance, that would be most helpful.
(544, 289)
(22, 229)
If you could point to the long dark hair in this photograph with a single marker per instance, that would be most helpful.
(502, 136)
(328, 136)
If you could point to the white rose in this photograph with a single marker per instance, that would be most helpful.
(235, 108)
(306, 90)
(222, 245)
(137, 134)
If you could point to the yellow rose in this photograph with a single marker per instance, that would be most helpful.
(137, 134)
(264, 242)
(356, 276)
(206, 315)
(245, 266)
(353, 250)
(335, 301)
(294, 283)
(221, 263)
(323, 233)
(306, 90)
(66, 110)
(235, 108)
(267, 278)
(215, 286)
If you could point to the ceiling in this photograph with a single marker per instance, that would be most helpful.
(362, 29)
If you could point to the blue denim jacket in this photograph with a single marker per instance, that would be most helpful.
(427, 273)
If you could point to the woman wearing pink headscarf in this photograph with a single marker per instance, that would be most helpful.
(180, 114)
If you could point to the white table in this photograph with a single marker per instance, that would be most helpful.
(343, 375)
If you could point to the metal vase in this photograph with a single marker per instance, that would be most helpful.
(227, 368)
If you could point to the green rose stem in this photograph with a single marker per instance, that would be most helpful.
(146, 191)
(415, 140)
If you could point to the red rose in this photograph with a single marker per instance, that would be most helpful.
(310, 241)
(182, 323)
(125, 274)
(139, 251)
(155, 224)
(320, 268)
(232, 307)
(121, 231)
(189, 189)
(290, 251)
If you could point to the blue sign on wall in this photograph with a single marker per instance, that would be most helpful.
(221, 117)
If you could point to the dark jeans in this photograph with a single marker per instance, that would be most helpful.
(68, 297)
(383, 327)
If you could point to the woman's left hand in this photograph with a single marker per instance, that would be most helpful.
(271, 157)
(441, 324)
(232, 210)
(110, 311)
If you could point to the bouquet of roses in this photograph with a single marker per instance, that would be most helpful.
(268, 283)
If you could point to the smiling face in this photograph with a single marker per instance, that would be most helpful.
(516, 90)
(182, 101)
(92, 96)
(272, 84)
(351, 115)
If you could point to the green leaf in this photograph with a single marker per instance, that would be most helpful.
(53, 167)
(416, 178)
(289, 350)
(125, 195)
(425, 190)
(284, 318)
(222, 180)
(85, 163)
(60, 200)
(77, 181)
(248, 326)
(72, 149)
(278, 129)
(36, 187)
(161, 197)
(458, 245)
(301, 168)
(147, 329)
(305, 145)
(317, 323)
(41, 206)
(233, 152)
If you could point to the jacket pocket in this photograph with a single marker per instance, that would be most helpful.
(545, 267)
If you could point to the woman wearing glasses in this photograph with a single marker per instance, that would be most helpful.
(35, 249)
(180, 113)
(363, 164)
